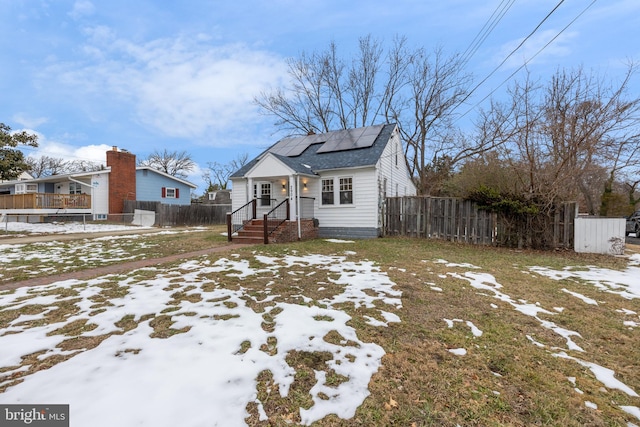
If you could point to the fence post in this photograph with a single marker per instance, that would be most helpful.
(229, 227)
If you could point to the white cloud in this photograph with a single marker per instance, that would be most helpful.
(28, 122)
(559, 48)
(82, 8)
(46, 147)
(184, 87)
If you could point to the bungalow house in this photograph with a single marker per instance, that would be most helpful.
(332, 184)
(99, 193)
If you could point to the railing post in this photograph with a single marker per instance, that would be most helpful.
(254, 206)
(229, 232)
(266, 229)
(288, 210)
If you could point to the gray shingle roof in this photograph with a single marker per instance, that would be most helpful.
(315, 156)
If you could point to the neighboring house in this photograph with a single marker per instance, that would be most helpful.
(340, 179)
(24, 176)
(218, 197)
(99, 193)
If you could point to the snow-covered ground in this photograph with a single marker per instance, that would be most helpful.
(206, 374)
(61, 228)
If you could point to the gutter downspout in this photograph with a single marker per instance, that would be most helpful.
(298, 206)
(86, 185)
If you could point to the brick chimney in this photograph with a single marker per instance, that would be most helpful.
(122, 179)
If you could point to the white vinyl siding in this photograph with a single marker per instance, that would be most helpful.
(393, 174)
(239, 193)
(363, 212)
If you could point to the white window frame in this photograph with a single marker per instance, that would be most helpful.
(75, 188)
(337, 188)
(170, 193)
(345, 184)
(330, 183)
(25, 188)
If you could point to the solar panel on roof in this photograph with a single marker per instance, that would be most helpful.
(295, 146)
(341, 140)
(351, 139)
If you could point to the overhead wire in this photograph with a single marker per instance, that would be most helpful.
(487, 28)
(530, 59)
(511, 53)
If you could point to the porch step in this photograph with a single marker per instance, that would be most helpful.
(251, 233)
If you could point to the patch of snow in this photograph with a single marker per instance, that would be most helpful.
(602, 374)
(65, 228)
(624, 283)
(458, 351)
(202, 370)
(631, 410)
(584, 299)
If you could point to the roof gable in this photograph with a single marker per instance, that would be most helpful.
(166, 175)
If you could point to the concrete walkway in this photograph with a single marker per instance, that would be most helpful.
(115, 268)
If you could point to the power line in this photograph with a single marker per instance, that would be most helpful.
(532, 58)
(489, 26)
(512, 52)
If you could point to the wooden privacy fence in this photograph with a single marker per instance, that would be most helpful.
(440, 218)
(461, 220)
(172, 215)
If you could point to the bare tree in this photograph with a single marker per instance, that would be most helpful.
(174, 163)
(84, 166)
(44, 166)
(435, 86)
(410, 87)
(631, 188)
(557, 137)
(217, 174)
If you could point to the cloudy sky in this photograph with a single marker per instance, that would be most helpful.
(86, 75)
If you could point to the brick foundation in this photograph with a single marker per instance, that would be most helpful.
(288, 232)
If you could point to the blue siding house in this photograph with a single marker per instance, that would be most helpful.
(100, 192)
(155, 186)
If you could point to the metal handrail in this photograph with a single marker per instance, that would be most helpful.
(237, 219)
(274, 218)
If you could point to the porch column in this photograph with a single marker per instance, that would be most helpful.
(249, 190)
(293, 198)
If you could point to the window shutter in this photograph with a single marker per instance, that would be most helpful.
(164, 192)
(177, 193)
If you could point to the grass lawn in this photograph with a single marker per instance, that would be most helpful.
(484, 339)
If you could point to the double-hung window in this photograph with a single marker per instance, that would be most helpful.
(170, 193)
(337, 191)
(346, 191)
(327, 191)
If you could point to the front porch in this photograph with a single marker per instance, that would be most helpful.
(275, 226)
(45, 203)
